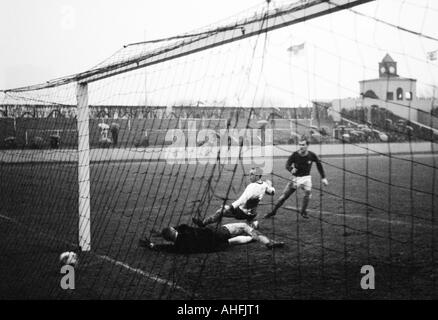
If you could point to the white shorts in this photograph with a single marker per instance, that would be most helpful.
(304, 183)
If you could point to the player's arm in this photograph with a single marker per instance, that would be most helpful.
(320, 169)
(290, 163)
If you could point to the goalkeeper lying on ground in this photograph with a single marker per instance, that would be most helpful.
(188, 239)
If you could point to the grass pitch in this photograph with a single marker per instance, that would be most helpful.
(376, 211)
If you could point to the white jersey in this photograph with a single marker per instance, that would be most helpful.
(252, 195)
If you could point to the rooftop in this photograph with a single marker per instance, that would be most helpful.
(388, 79)
(387, 58)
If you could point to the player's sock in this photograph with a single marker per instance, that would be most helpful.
(274, 244)
(216, 217)
(303, 211)
(270, 214)
(209, 220)
(304, 214)
(276, 207)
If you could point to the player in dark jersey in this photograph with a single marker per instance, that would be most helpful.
(187, 239)
(300, 164)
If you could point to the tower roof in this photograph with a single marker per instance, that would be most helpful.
(387, 58)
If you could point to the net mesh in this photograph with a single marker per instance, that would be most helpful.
(177, 139)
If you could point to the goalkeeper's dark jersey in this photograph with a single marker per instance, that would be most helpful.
(194, 239)
(303, 164)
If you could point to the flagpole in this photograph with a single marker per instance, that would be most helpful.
(145, 80)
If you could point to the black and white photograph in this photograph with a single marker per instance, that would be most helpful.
(238, 151)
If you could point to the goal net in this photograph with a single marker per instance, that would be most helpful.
(166, 131)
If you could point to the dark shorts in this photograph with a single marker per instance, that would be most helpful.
(240, 215)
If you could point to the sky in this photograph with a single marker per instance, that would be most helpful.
(46, 39)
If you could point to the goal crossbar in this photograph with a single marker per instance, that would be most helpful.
(248, 27)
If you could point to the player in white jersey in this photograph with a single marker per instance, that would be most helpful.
(244, 208)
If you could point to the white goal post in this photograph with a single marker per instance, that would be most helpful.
(83, 166)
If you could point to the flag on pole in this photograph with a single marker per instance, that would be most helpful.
(433, 55)
(296, 49)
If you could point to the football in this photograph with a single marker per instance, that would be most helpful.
(70, 258)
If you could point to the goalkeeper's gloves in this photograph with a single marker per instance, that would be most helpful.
(324, 181)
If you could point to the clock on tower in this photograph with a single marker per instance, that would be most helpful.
(387, 67)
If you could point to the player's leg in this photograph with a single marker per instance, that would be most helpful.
(306, 199)
(307, 186)
(239, 233)
(258, 236)
(288, 191)
(239, 214)
(216, 217)
(240, 240)
(244, 233)
(238, 229)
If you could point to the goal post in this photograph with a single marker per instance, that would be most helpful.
(83, 166)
